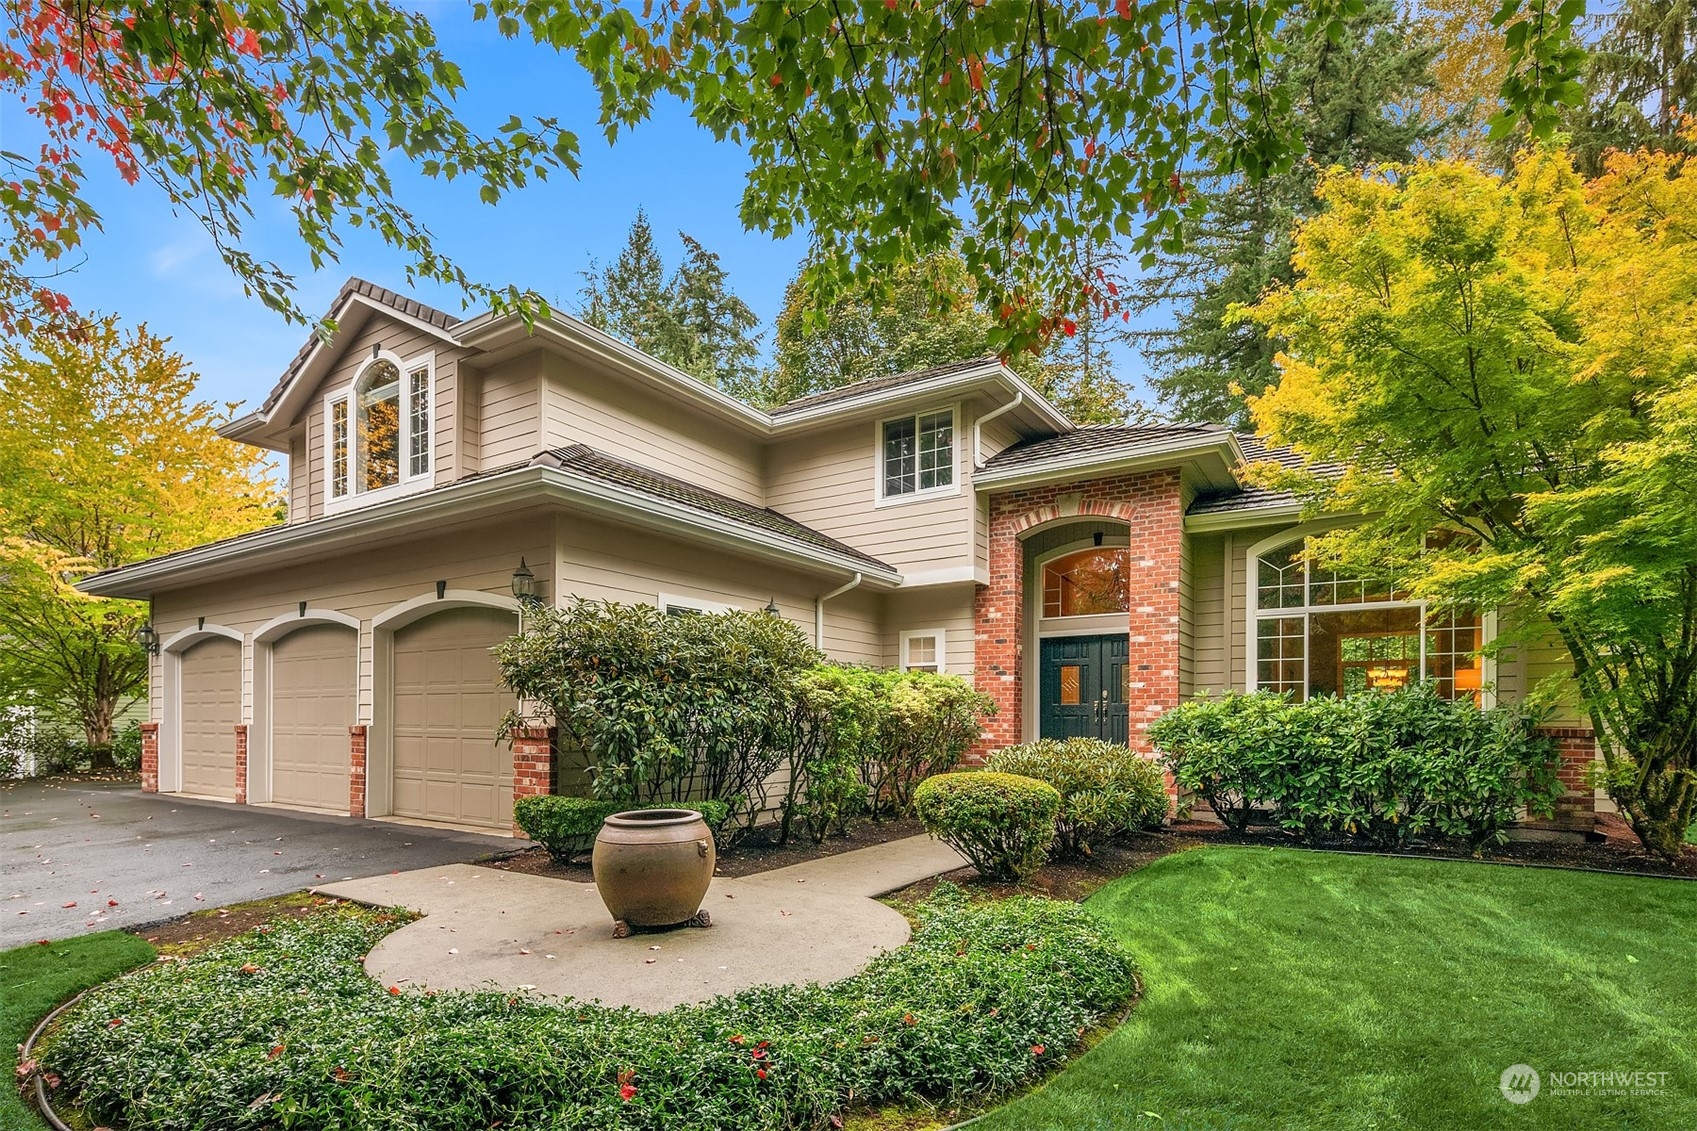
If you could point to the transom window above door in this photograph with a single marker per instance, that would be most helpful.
(378, 431)
(1087, 583)
(1318, 632)
(917, 454)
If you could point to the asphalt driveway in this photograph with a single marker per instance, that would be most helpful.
(87, 856)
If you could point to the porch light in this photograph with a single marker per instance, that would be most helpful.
(148, 639)
(524, 585)
(772, 607)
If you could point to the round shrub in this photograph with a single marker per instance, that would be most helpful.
(1106, 789)
(1002, 823)
(566, 826)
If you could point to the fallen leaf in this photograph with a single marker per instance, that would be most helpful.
(73, 903)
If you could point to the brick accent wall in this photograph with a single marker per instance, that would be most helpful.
(150, 757)
(241, 763)
(533, 764)
(1150, 505)
(356, 771)
(1578, 748)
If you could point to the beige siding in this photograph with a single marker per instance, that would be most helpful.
(510, 413)
(1186, 618)
(406, 342)
(583, 406)
(828, 481)
(1211, 630)
(300, 478)
(948, 607)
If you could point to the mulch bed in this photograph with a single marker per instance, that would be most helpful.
(192, 934)
(755, 853)
(131, 777)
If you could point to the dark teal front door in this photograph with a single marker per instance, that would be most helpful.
(1082, 685)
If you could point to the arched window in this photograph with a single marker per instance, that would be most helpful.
(1087, 583)
(1318, 632)
(378, 432)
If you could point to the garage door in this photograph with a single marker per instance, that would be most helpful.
(448, 704)
(212, 703)
(312, 707)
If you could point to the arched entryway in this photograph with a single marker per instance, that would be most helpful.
(1078, 594)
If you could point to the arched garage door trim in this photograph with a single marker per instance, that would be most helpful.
(380, 752)
(171, 655)
(262, 744)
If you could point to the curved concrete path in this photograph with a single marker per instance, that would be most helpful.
(484, 928)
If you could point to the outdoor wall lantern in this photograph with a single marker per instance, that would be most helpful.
(148, 639)
(524, 585)
(772, 607)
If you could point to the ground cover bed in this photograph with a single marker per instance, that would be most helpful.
(282, 1027)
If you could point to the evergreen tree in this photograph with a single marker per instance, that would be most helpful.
(925, 314)
(1640, 83)
(1352, 105)
(690, 320)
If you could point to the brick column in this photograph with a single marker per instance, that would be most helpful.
(356, 771)
(1577, 808)
(1150, 506)
(533, 764)
(150, 757)
(241, 763)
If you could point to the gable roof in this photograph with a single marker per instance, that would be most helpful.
(356, 287)
(633, 477)
(1095, 441)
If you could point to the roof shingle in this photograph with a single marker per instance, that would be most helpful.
(872, 385)
(1101, 441)
(1257, 450)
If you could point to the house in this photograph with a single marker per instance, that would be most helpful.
(1086, 579)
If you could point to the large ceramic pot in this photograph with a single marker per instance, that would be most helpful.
(652, 868)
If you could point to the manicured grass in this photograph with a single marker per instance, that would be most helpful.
(34, 979)
(1321, 992)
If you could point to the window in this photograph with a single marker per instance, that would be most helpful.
(1087, 583)
(918, 454)
(674, 606)
(922, 651)
(1322, 633)
(379, 431)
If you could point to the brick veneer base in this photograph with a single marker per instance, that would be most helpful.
(1151, 507)
(1578, 749)
(533, 764)
(356, 771)
(241, 763)
(150, 757)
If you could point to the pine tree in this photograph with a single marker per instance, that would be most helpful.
(1640, 83)
(690, 320)
(1352, 99)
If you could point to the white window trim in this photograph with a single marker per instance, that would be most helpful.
(666, 602)
(879, 498)
(1255, 615)
(407, 484)
(942, 654)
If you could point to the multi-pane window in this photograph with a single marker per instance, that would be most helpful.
(919, 453)
(418, 421)
(1087, 583)
(379, 431)
(922, 651)
(338, 449)
(1322, 633)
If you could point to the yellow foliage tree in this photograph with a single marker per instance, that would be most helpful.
(106, 458)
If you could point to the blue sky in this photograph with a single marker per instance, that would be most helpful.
(150, 266)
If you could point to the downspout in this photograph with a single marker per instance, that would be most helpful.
(978, 428)
(819, 610)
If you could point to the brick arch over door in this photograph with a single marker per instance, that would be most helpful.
(1151, 507)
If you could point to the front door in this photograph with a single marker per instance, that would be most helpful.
(1083, 685)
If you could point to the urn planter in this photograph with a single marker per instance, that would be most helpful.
(652, 868)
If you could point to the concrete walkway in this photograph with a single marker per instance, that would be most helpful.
(485, 928)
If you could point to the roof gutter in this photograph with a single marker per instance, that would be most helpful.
(819, 610)
(978, 428)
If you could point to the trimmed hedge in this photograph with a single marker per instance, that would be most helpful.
(1105, 789)
(567, 826)
(1002, 823)
(1385, 768)
(283, 1028)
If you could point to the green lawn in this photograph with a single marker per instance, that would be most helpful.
(33, 979)
(1320, 992)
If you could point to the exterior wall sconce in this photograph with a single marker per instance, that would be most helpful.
(524, 586)
(772, 607)
(148, 639)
